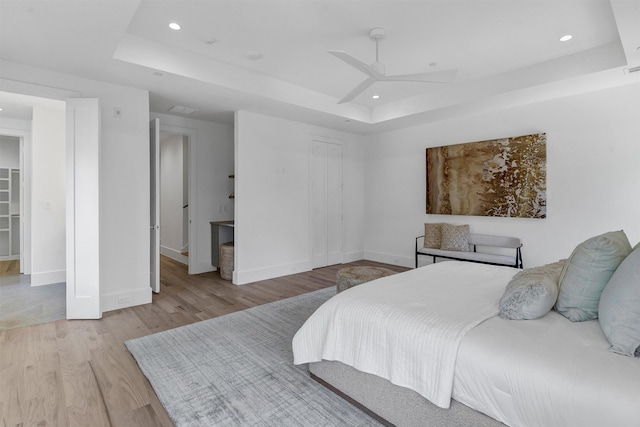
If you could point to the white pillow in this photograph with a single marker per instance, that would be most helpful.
(531, 293)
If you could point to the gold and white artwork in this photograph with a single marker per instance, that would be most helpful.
(500, 177)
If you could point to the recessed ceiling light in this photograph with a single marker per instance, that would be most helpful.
(174, 26)
(566, 38)
(158, 73)
(376, 96)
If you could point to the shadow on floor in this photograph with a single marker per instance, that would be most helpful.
(23, 305)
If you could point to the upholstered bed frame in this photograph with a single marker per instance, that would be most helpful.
(392, 404)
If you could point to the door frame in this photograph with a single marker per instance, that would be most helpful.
(25, 195)
(154, 204)
(190, 135)
(340, 257)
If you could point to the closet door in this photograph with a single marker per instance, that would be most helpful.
(83, 209)
(326, 204)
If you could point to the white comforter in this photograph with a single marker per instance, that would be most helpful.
(547, 372)
(405, 328)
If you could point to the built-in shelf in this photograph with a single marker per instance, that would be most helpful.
(9, 213)
(232, 195)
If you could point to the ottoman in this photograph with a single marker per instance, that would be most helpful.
(349, 277)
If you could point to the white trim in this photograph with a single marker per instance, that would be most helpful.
(25, 195)
(250, 276)
(126, 299)
(83, 209)
(392, 259)
(174, 254)
(48, 277)
(195, 266)
(352, 256)
(39, 91)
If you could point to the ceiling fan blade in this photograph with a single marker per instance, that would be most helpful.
(356, 63)
(358, 90)
(445, 76)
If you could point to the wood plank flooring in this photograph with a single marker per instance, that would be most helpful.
(10, 267)
(79, 373)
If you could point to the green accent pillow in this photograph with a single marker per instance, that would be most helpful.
(619, 308)
(586, 273)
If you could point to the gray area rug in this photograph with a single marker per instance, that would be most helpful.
(237, 370)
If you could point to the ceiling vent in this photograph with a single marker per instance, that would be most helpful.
(182, 110)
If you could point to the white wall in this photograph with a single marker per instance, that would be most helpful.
(272, 196)
(171, 197)
(211, 151)
(124, 175)
(48, 195)
(593, 177)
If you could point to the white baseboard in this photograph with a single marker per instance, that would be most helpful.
(250, 276)
(174, 254)
(126, 299)
(352, 256)
(48, 277)
(198, 267)
(392, 259)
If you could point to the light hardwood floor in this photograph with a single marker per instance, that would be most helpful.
(79, 373)
(10, 268)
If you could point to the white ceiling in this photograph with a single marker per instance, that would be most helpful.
(498, 47)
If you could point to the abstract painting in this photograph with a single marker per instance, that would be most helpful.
(500, 177)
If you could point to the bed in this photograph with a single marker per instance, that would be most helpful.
(426, 347)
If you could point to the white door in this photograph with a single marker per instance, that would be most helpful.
(326, 204)
(154, 167)
(83, 209)
(334, 204)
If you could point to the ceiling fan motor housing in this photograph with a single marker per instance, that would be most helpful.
(376, 33)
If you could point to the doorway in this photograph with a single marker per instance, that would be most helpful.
(10, 205)
(174, 196)
(21, 304)
(170, 195)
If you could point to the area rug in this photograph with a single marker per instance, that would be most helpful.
(237, 370)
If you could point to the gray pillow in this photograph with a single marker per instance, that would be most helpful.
(619, 308)
(531, 293)
(587, 272)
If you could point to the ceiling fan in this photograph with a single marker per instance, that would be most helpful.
(376, 71)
